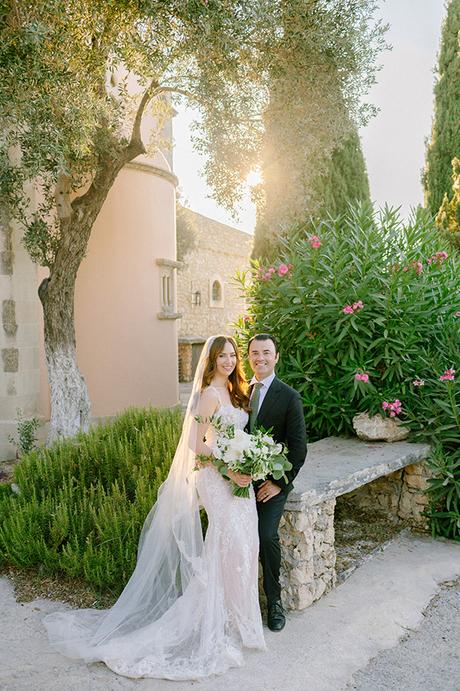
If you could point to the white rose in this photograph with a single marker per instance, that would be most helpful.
(238, 445)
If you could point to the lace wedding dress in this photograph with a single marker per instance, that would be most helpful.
(198, 627)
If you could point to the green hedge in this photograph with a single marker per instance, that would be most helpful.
(82, 502)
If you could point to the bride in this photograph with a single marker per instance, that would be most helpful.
(190, 606)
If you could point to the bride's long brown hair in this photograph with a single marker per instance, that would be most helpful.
(237, 384)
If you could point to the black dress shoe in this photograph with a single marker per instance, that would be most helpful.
(276, 619)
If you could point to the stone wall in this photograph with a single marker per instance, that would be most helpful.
(307, 530)
(401, 495)
(219, 252)
(19, 334)
(308, 554)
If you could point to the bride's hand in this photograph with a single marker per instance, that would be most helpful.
(239, 479)
(203, 461)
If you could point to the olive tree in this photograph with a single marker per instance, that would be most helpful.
(70, 122)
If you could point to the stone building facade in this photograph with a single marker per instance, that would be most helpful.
(207, 297)
(19, 333)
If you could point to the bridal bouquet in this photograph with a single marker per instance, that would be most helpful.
(254, 454)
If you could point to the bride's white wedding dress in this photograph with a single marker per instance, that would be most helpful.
(202, 631)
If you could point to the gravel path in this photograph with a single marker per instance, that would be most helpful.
(427, 659)
(390, 625)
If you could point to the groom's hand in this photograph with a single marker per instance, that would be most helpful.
(267, 491)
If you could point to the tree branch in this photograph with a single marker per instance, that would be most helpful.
(136, 139)
(177, 90)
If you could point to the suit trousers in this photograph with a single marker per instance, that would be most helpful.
(270, 514)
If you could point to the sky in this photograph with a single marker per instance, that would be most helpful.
(393, 142)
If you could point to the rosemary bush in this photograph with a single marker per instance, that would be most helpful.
(82, 502)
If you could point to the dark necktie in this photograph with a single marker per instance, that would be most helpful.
(254, 402)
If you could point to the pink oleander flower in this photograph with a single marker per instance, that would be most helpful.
(416, 265)
(393, 409)
(438, 258)
(268, 274)
(449, 375)
(457, 314)
(314, 241)
(362, 377)
(283, 269)
(418, 382)
(355, 307)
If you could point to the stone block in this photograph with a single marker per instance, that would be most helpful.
(9, 317)
(10, 357)
(302, 521)
(320, 588)
(6, 262)
(8, 384)
(416, 481)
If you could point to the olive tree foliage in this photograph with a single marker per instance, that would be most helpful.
(444, 144)
(70, 122)
(316, 104)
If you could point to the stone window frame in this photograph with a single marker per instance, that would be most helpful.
(221, 301)
(168, 288)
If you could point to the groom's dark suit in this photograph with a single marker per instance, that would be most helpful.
(282, 411)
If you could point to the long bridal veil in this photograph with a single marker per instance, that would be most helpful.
(170, 555)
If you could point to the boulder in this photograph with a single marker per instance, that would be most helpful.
(378, 428)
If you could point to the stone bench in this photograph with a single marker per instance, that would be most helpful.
(389, 476)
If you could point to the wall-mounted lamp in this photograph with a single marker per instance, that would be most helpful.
(196, 298)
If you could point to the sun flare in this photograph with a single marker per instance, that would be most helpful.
(254, 177)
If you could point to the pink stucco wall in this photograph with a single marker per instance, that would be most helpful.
(127, 355)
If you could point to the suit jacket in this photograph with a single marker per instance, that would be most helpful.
(282, 410)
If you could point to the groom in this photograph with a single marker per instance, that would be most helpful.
(274, 405)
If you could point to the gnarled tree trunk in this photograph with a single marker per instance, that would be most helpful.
(70, 404)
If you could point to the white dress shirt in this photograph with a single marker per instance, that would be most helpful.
(264, 388)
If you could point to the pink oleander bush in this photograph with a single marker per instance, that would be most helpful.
(367, 320)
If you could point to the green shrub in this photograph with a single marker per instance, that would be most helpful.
(82, 502)
(25, 439)
(365, 294)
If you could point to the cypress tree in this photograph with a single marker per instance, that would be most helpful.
(312, 159)
(448, 217)
(345, 180)
(445, 137)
